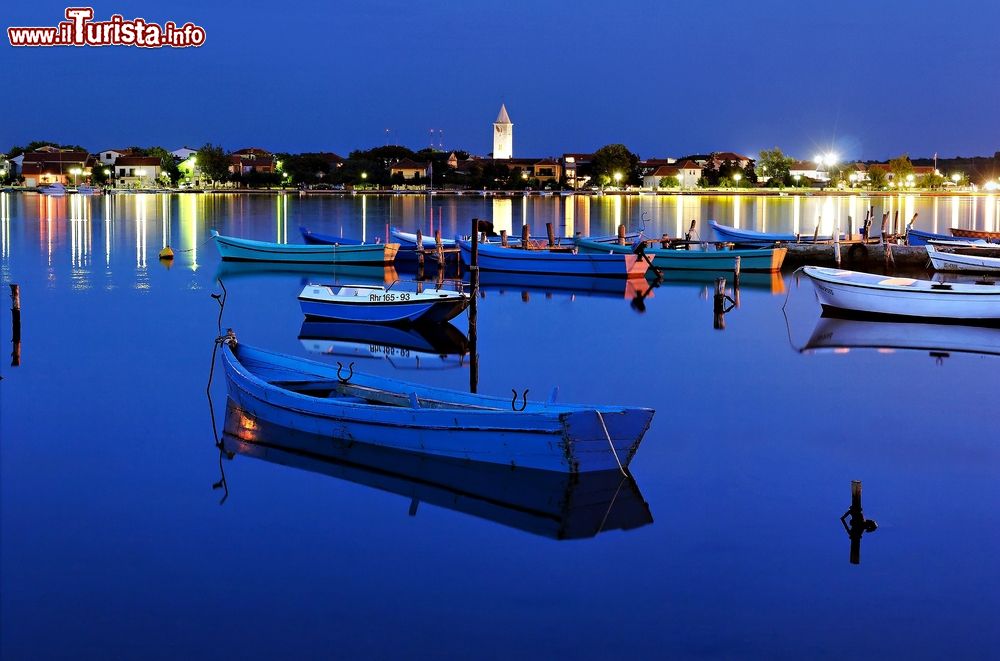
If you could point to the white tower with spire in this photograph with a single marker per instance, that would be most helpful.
(503, 135)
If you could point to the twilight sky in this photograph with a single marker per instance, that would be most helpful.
(868, 79)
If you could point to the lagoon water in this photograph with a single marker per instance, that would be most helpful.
(114, 544)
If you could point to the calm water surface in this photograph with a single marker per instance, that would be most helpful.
(114, 544)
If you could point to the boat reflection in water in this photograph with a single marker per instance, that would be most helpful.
(550, 504)
(635, 290)
(376, 274)
(842, 332)
(427, 346)
(771, 282)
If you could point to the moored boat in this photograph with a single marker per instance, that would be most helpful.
(397, 303)
(312, 397)
(318, 238)
(408, 240)
(562, 262)
(868, 293)
(735, 235)
(948, 260)
(55, 190)
(993, 237)
(233, 248)
(915, 237)
(757, 259)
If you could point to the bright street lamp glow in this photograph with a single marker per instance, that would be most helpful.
(107, 171)
(618, 176)
(364, 175)
(991, 186)
(818, 158)
(909, 178)
(956, 177)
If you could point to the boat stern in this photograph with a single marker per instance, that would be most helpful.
(600, 439)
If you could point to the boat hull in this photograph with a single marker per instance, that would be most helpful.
(950, 261)
(234, 249)
(975, 234)
(734, 235)
(544, 437)
(921, 238)
(543, 262)
(762, 259)
(970, 303)
(318, 239)
(384, 313)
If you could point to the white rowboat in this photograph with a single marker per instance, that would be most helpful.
(951, 261)
(904, 297)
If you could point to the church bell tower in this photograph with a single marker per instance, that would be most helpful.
(503, 135)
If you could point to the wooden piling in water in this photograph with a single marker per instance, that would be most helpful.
(525, 238)
(550, 233)
(474, 310)
(895, 224)
(621, 235)
(503, 238)
(15, 324)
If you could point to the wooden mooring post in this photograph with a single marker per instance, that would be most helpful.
(621, 235)
(474, 310)
(525, 237)
(439, 248)
(15, 324)
(550, 234)
(858, 524)
(503, 238)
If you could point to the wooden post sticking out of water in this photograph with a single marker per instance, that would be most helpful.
(551, 234)
(719, 305)
(895, 224)
(474, 310)
(439, 247)
(850, 226)
(736, 281)
(836, 245)
(15, 323)
(913, 221)
(816, 231)
(621, 235)
(885, 223)
(525, 238)
(687, 235)
(503, 238)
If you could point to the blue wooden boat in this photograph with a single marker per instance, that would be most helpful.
(549, 504)
(408, 240)
(316, 238)
(554, 262)
(397, 303)
(232, 248)
(734, 235)
(697, 259)
(365, 409)
(915, 237)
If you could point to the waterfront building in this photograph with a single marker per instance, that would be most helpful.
(50, 165)
(408, 169)
(251, 159)
(687, 174)
(184, 153)
(576, 166)
(133, 171)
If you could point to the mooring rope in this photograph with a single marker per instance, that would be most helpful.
(608, 436)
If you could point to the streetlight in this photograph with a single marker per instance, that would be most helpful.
(736, 178)
(76, 173)
(797, 179)
(140, 174)
(909, 180)
(618, 178)
(956, 178)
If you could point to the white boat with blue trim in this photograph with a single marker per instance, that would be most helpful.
(869, 293)
(398, 303)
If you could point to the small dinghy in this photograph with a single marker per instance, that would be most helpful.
(315, 398)
(992, 237)
(398, 303)
(554, 262)
(734, 235)
(868, 293)
(955, 261)
(318, 239)
(232, 248)
(697, 259)
(915, 237)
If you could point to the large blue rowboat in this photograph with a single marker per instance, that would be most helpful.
(365, 409)
(555, 505)
(232, 248)
(734, 235)
(397, 303)
(756, 259)
(540, 262)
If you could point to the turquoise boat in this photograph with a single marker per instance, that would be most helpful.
(370, 410)
(754, 259)
(235, 249)
(735, 235)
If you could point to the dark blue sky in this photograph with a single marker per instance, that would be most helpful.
(869, 79)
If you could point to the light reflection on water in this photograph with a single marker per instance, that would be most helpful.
(745, 469)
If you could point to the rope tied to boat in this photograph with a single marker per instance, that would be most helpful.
(614, 452)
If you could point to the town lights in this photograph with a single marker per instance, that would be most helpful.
(76, 173)
(991, 186)
(909, 180)
(736, 178)
(618, 178)
(956, 177)
(364, 175)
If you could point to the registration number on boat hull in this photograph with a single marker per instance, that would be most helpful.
(388, 298)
